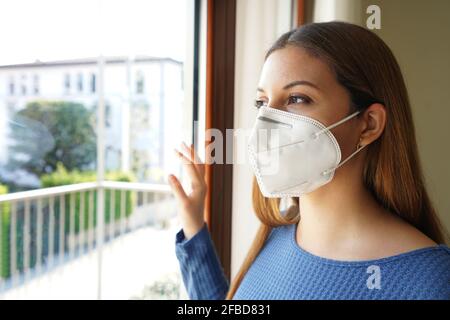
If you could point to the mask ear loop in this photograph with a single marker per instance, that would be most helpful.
(315, 135)
(358, 148)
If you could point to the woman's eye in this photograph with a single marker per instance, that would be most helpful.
(292, 100)
(299, 99)
(260, 103)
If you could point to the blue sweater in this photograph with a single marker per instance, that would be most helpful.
(283, 270)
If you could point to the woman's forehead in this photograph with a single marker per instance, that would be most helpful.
(294, 64)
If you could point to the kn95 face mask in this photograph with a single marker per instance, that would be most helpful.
(291, 154)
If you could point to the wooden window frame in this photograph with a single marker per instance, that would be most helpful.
(220, 62)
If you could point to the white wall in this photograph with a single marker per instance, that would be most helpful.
(258, 24)
(327, 10)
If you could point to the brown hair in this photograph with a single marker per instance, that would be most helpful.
(366, 67)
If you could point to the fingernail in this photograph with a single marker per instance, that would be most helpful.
(172, 178)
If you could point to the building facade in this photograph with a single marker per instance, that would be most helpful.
(143, 106)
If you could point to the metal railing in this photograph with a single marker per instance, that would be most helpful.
(44, 228)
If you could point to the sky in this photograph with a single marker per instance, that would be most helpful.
(49, 30)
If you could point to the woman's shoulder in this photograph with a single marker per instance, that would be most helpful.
(399, 236)
(438, 252)
(420, 274)
(416, 254)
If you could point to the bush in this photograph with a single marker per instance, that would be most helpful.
(62, 177)
(4, 225)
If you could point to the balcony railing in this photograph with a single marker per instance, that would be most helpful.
(43, 229)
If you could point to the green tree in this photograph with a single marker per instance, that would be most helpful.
(47, 132)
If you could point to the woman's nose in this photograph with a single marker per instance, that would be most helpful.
(276, 104)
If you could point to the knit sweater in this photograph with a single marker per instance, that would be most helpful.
(283, 270)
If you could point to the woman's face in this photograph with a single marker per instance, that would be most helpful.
(293, 80)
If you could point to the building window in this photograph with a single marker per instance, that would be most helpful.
(23, 85)
(36, 84)
(108, 116)
(67, 82)
(139, 82)
(80, 82)
(93, 80)
(12, 88)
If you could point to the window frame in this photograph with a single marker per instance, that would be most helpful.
(221, 38)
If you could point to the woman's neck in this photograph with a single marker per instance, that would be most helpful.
(340, 219)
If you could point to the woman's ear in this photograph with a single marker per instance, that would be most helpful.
(374, 122)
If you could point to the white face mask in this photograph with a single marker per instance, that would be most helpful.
(293, 154)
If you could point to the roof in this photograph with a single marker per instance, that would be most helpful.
(89, 61)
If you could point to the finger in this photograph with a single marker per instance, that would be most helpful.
(191, 151)
(191, 169)
(195, 158)
(183, 157)
(177, 189)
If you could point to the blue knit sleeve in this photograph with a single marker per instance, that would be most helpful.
(202, 273)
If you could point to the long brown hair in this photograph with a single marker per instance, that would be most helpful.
(366, 67)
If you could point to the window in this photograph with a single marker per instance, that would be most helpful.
(11, 86)
(67, 83)
(93, 82)
(139, 82)
(80, 82)
(36, 84)
(23, 85)
(53, 139)
(108, 115)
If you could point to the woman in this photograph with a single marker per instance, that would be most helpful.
(363, 229)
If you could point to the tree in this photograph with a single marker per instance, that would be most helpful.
(45, 133)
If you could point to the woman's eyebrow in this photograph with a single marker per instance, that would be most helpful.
(295, 83)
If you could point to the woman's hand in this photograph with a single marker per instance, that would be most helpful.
(190, 206)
